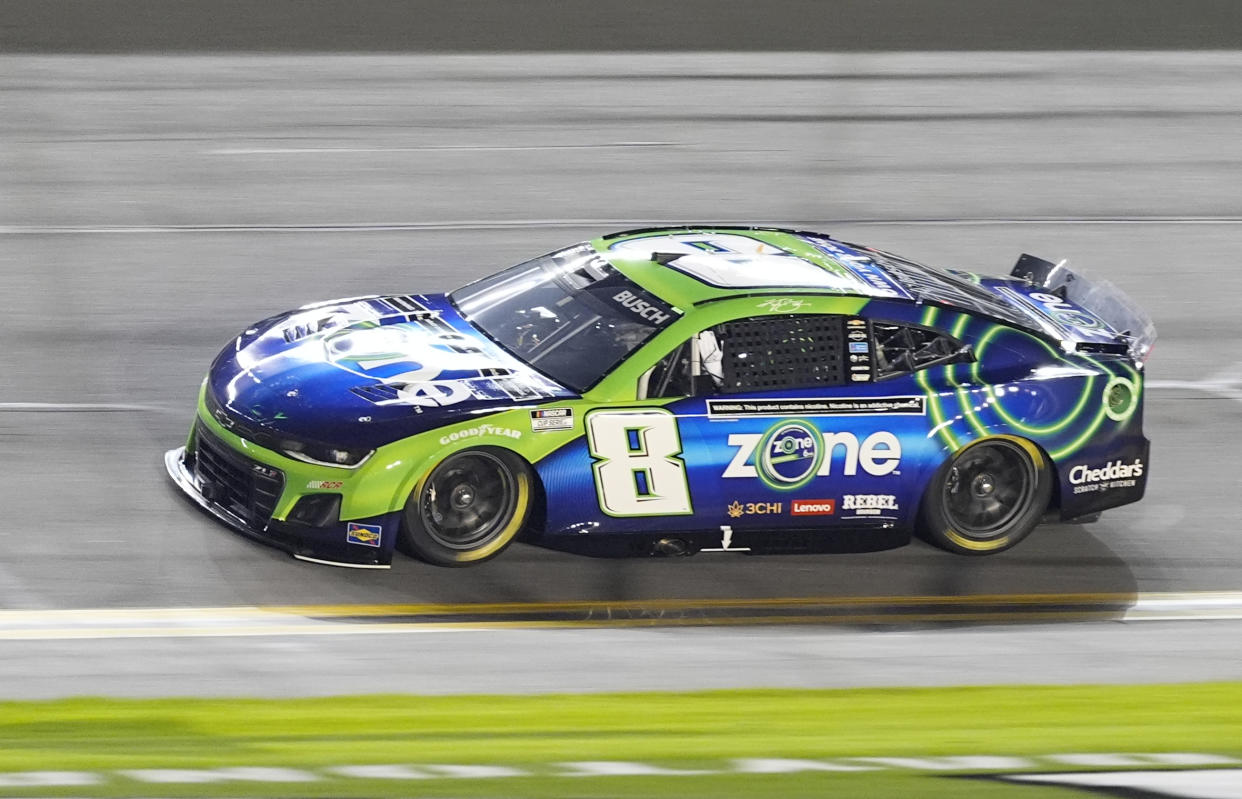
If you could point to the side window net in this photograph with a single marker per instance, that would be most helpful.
(900, 349)
(781, 352)
(671, 376)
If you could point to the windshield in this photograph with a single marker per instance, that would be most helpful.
(569, 314)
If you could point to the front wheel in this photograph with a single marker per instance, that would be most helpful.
(468, 508)
(987, 497)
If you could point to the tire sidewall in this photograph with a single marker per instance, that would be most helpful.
(417, 541)
(934, 522)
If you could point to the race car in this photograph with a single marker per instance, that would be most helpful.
(674, 390)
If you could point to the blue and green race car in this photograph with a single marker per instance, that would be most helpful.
(666, 391)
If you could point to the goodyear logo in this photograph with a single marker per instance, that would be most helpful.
(368, 535)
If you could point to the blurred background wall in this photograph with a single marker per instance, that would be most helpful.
(28, 26)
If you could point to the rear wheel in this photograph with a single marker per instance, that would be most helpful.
(468, 508)
(987, 497)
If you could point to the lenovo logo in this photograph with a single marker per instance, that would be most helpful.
(813, 507)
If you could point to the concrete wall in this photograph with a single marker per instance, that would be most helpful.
(110, 26)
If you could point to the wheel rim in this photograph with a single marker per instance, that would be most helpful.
(468, 500)
(987, 487)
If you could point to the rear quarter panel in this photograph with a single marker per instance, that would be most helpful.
(1085, 411)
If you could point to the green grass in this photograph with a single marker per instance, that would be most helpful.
(699, 730)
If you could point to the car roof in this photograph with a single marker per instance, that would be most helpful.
(693, 264)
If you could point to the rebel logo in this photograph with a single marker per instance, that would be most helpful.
(813, 507)
(868, 504)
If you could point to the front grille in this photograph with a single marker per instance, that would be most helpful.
(244, 487)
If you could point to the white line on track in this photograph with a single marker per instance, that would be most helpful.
(610, 224)
(435, 148)
(258, 621)
(1226, 383)
(1136, 220)
(343, 227)
(1197, 784)
(1172, 782)
(74, 407)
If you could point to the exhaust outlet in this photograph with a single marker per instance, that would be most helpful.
(672, 547)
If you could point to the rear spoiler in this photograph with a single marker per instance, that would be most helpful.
(1100, 298)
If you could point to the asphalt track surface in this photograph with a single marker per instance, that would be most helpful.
(151, 207)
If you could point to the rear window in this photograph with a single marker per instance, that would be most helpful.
(938, 285)
(902, 348)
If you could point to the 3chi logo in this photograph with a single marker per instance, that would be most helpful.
(789, 455)
(737, 509)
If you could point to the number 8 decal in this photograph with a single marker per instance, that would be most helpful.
(638, 466)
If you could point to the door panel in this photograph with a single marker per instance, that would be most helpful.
(829, 457)
(755, 450)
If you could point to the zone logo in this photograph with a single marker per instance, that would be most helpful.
(788, 444)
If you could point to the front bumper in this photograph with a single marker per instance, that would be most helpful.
(334, 544)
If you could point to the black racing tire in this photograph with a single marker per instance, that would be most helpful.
(986, 498)
(468, 508)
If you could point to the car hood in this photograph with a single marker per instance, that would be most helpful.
(365, 372)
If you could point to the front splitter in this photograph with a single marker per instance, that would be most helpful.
(182, 478)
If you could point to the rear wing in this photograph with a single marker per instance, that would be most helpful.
(1100, 298)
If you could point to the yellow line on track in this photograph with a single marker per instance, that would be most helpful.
(696, 604)
(371, 619)
(458, 626)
